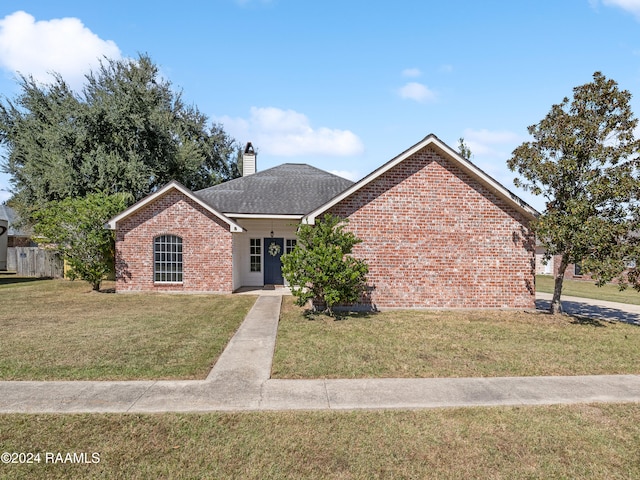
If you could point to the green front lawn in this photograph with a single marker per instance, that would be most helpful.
(412, 343)
(58, 329)
(575, 288)
(577, 441)
(61, 330)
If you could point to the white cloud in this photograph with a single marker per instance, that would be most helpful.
(289, 133)
(348, 174)
(497, 144)
(411, 72)
(62, 45)
(490, 150)
(631, 6)
(6, 194)
(418, 92)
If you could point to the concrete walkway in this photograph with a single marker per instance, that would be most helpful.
(240, 382)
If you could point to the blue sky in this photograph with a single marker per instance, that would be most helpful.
(344, 85)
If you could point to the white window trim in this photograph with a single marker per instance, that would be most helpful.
(257, 256)
(287, 248)
(179, 271)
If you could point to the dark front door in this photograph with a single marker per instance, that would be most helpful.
(273, 250)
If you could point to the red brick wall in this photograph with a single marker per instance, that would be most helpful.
(570, 274)
(436, 237)
(206, 243)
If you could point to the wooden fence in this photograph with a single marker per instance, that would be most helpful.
(34, 262)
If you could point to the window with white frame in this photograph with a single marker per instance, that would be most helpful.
(290, 245)
(255, 254)
(167, 264)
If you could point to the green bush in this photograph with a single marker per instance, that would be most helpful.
(75, 227)
(321, 267)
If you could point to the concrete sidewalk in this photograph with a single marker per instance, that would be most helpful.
(240, 382)
(391, 393)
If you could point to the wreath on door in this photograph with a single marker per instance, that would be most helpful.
(274, 249)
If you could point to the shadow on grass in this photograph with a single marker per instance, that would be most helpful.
(338, 316)
(11, 279)
(592, 322)
(584, 313)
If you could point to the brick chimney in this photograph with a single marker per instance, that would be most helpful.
(248, 160)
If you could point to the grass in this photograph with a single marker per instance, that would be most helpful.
(579, 441)
(450, 344)
(61, 330)
(55, 329)
(584, 289)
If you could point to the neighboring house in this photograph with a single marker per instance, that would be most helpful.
(16, 236)
(574, 271)
(437, 232)
(10, 235)
(544, 266)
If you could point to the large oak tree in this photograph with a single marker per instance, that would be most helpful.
(127, 131)
(583, 159)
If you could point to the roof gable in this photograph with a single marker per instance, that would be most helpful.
(173, 185)
(430, 141)
(288, 189)
(9, 214)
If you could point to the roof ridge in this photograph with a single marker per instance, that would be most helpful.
(325, 171)
(289, 188)
(228, 183)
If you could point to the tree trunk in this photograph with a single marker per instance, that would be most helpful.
(556, 304)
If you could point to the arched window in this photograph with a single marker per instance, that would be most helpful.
(167, 264)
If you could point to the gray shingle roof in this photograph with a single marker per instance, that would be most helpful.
(288, 189)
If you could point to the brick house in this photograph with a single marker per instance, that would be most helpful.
(11, 236)
(574, 271)
(17, 236)
(437, 231)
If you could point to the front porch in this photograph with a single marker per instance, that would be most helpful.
(257, 252)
